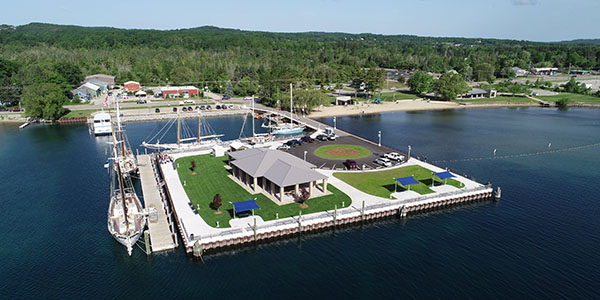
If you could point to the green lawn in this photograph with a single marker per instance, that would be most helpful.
(392, 96)
(212, 179)
(499, 99)
(80, 113)
(362, 152)
(576, 98)
(381, 183)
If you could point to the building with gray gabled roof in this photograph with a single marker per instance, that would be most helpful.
(275, 171)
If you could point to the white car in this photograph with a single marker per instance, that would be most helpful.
(248, 98)
(383, 161)
(394, 156)
(283, 147)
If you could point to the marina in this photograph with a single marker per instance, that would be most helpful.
(198, 236)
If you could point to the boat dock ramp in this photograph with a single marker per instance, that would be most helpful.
(162, 234)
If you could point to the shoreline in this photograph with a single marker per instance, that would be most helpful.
(404, 105)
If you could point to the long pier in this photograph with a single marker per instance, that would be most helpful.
(161, 236)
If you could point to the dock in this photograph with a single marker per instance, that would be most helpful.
(161, 237)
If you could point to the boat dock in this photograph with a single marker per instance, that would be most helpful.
(161, 236)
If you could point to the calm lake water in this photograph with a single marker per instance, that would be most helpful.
(539, 241)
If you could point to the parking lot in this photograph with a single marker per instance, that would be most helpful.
(327, 163)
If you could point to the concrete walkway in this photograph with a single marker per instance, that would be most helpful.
(161, 237)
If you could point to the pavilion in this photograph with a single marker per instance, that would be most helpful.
(275, 171)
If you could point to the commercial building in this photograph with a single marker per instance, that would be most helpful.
(131, 86)
(108, 79)
(86, 91)
(177, 91)
(477, 93)
(544, 71)
(275, 172)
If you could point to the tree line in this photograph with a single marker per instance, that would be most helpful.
(53, 59)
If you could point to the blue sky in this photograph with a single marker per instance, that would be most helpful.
(537, 20)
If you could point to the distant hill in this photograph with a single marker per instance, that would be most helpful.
(582, 42)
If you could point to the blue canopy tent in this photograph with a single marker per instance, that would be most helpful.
(405, 181)
(442, 175)
(243, 206)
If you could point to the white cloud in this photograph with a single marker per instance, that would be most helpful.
(524, 2)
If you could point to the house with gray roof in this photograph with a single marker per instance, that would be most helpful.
(108, 79)
(279, 174)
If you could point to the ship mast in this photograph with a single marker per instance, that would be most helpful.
(253, 116)
(178, 130)
(120, 177)
(291, 106)
(199, 125)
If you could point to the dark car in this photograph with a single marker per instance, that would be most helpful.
(298, 142)
(202, 107)
(223, 106)
(157, 110)
(218, 106)
(322, 137)
(208, 107)
(226, 97)
(307, 139)
(190, 108)
(197, 108)
(3, 109)
(351, 164)
(184, 109)
(174, 109)
(291, 143)
(141, 102)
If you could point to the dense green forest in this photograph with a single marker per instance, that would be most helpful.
(55, 58)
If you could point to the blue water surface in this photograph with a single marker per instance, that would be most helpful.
(539, 241)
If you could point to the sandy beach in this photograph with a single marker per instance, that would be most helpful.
(401, 105)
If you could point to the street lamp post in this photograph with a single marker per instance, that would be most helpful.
(379, 135)
(334, 123)
(408, 153)
(305, 155)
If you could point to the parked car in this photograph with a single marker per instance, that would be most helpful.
(284, 147)
(248, 98)
(202, 107)
(197, 108)
(184, 109)
(393, 156)
(141, 102)
(383, 161)
(321, 137)
(218, 106)
(190, 108)
(351, 164)
(226, 97)
(307, 139)
(3, 109)
(223, 106)
(290, 143)
(208, 107)
(230, 106)
(298, 142)
(332, 137)
(174, 109)
(157, 110)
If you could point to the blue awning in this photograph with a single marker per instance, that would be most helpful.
(242, 206)
(444, 175)
(406, 181)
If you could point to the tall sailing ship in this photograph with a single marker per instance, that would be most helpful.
(290, 128)
(185, 138)
(126, 220)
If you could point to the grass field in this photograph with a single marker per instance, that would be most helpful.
(499, 99)
(353, 153)
(381, 183)
(574, 98)
(80, 113)
(212, 179)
